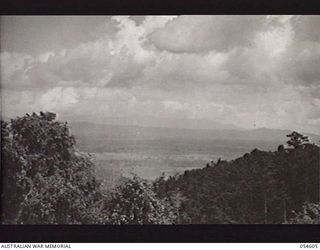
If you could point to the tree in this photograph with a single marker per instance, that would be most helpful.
(297, 139)
(46, 180)
(260, 187)
(310, 214)
(135, 202)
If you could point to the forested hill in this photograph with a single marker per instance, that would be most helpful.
(46, 179)
(259, 187)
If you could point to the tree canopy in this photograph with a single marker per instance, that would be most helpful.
(46, 180)
(259, 187)
(297, 139)
(135, 202)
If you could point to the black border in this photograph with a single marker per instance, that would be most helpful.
(163, 234)
(176, 233)
(157, 7)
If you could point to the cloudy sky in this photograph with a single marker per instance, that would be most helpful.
(248, 71)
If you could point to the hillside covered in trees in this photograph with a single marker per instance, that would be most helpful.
(259, 187)
(45, 179)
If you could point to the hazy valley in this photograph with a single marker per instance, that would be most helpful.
(121, 150)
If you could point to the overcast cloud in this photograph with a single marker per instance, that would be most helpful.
(249, 71)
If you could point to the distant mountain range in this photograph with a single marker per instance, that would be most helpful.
(153, 128)
(85, 129)
(151, 121)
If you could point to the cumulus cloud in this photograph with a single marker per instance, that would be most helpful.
(305, 27)
(192, 34)
(110, 60)
(242, 70)
(301, 63)
(13, 69)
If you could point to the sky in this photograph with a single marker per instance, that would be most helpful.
(246, 71)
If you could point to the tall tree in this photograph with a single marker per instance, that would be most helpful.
(297, 139)
(135, 202)
(46, 180)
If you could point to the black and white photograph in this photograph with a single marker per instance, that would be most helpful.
(160, 119)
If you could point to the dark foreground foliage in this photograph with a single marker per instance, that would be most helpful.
(135, 202)
(259, 187)
(46, 180)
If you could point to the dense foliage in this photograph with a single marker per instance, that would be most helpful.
(260, 187)
(46, 180)
(310, 214)
(135, 202)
